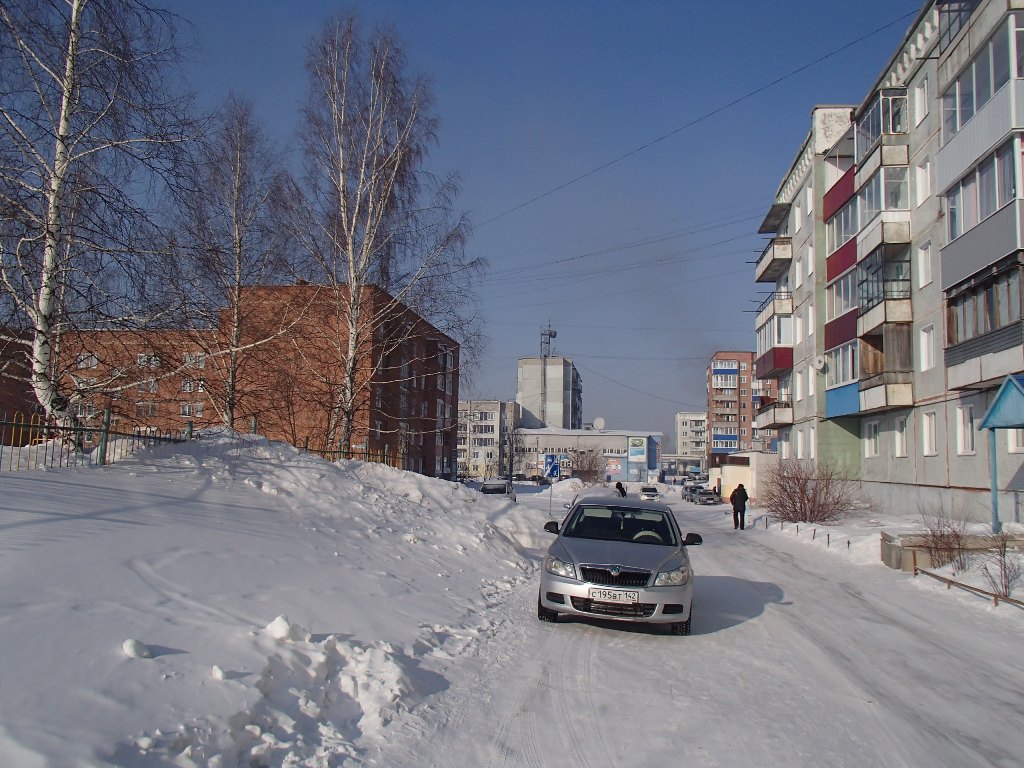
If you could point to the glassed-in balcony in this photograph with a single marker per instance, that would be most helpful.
(774, 345)
(774, 260)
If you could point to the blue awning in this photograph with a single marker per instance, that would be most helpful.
(1007, 410)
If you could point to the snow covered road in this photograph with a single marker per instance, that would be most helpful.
(797, 658)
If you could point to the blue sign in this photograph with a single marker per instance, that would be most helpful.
(551, 467)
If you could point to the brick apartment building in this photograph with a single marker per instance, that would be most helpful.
(287, 379)
(734, 396)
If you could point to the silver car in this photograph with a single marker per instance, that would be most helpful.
(622, 559)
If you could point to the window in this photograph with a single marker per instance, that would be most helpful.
(841, 365)
(810, 260)
(809, 199)
(147, 360)
(843, 226)
(810, 320)
(921, 100)
(149, 385)
(810, 442)
(87, 360)
(985, 74)
(798, 271)
(984, 190)
(965, 429)
(841, 295)
(988, 305)
(899, 437)
(927, 347)
(924, 264)
(882, 278)
(869, 437)
(798, 218)
(798, 385)
(799, 443)
(144, 409)
(928, 433)
(923, 181)
(886, 115)
(1015, 440)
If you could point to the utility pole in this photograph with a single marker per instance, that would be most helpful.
(546, 335)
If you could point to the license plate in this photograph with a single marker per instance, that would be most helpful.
(614, 595)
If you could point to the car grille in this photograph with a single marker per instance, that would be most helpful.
(638, 610)
(624, 579)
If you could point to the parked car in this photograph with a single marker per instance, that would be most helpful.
(500, 487)
(649, 493)
(621, 559)
(690, 491)
(708, 496)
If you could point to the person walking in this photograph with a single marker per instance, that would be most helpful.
(620, 490)
(739, 506)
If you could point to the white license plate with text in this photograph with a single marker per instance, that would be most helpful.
(614, 595)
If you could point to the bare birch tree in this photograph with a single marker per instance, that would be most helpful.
(230, 233)
(374, 215)
(86, 120)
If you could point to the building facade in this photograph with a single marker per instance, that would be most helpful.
(485, 437)
(612, 455)
(289, 380)
(915, 237)
(550, 392)
(734, 395)
(691, 439)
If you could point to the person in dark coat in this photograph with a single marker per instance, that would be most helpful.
(739, 506)
(620, 490)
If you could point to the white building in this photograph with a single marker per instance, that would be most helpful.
(550, 392)
(485, 437)
(691, 438)
(620, 454)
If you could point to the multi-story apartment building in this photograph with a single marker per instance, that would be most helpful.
(550, 392)
(734, 395)
(917, 243)
(289, 380)
(691, 438)
(485, 437)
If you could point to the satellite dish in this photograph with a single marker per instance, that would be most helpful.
(819, 363)
(598, 423)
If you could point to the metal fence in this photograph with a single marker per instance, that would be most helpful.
(34, 442)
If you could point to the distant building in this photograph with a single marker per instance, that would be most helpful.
(623, 455)
(734, 395)
(485, 435)
(691, 439)
(550, 392)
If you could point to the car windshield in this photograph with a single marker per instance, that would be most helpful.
(648, 489)
(493, 488)
(642, 526)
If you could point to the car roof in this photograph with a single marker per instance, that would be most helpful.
(622, 503)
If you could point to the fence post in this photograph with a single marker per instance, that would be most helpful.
(305, 445)
(252, 426)
(188, 430)
(104, 437)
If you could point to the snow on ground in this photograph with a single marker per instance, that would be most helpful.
(233, 602)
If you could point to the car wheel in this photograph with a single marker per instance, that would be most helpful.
(546, 614)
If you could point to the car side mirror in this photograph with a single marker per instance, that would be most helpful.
(552, 526)
(567, 506)
(692, 539)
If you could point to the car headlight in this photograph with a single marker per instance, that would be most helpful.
(553, 565)
(675, 578)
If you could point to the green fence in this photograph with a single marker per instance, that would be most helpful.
(34, 442)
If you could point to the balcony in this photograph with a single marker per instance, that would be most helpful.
(889, 310)
(774, 260)
(778, 303)
(886, 391)
(775, 414)
(775, 361)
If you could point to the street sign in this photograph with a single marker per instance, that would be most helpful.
(551, 467)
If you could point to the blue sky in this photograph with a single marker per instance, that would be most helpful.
(642, 266)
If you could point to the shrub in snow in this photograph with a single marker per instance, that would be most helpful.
(809, 492)
(945, 541)
(1002, 568)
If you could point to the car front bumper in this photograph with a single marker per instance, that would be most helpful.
(656, 605)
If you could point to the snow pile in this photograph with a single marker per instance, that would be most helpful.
(276, 606)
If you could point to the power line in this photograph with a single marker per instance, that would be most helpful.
(701, 119)
(635, 389)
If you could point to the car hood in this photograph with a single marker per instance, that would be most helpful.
(650, 557)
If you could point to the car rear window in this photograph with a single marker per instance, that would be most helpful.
(493, 488)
